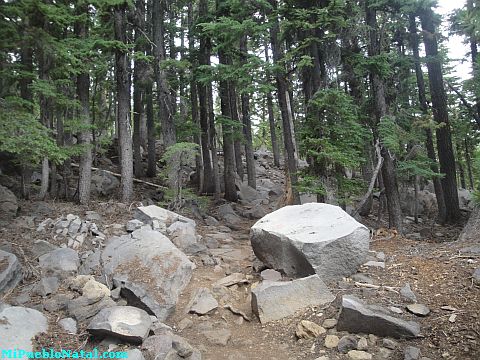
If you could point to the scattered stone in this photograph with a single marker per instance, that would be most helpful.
(233, 279)
(46, 286)
(358, 317)
(133, 225)
(202, 302)
(63, 262)
(84, 308)
(276, 300)
(347, 343)
(418, 309)
(218, 337)
(329, 323)
(69, 325)
(94, 290)
(8, 204)
(41, 247)
(362, 344)
(377, 264)
(127, 323)
(135, 354)
(362, 278)
(19, 325)
(389, 344)
(476, 276)
(151, 271)
(229, 215)
(308, 329)
(10, 271)
(157, 346)
(452, 318)
(359, 355)
(148, 214)
(211, 221)
(92, 216)
(331, 341)
(271, 275)
(237, 312)
(384, 354)
(412, 353)
(396, 310)
(57, 302)
(185, 323)
(407, 293)
(104, 184)
(319, 238)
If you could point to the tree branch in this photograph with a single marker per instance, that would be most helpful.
(464, 102)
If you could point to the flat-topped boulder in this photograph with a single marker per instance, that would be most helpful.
(10, 271)
(152, 212)
(302, 240)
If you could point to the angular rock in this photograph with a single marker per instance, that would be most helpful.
(229, 215)
(202, 302)
(271, 275)
(418, 309)
(104, 184)
(41, 247)
(276, 300)
(133, 225)
(69, 325)
(476, 276)
(358, 317)
(329, 323)
(308, 330)
(302, 240)
(84, 308)
(151, 271)
(218, 337)
(94, 290)
(135, 354)
(412, 353)
(10, 271)
(232, 279)
(62, 263)
(389, 344)
(347, 343)
(123, 322)
(14, 332)
(152, 212)
(362, 344)
(8, 204)
(46, 286)
(331, 341)
(407, 293)
(183, 234)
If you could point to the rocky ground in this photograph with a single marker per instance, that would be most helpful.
(192, 297)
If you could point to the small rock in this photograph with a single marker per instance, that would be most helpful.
(127, 323)
(362, 278)
(133, 225)
(347, 343)
(202, 302)
(418, 309)
(362, 344)
(95, 290)
(452, 318)
(395, 310)
(307, 330)
(407, 293)
(218, 337)
(62, 262)
(41, 247)
(329, 323)
(135, 354)
(384, 354)
(235, 278)
(69, 325)
(359, 355)
(389, 344)
(185, 323)
(377, 264)
(46, 286)
(331, 341)
(271, 275)
(412, 353)
(10, 271)
(476, 276)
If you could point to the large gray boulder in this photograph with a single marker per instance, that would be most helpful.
(8, 204)
(357, 317)
(147, 214)
(149, 268)
(104, 184)
(10, 271)
(18, 325)
(274, 300)
(127, 323)
(302, 240)
(63, 262)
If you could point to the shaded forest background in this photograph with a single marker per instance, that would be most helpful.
(362, 90)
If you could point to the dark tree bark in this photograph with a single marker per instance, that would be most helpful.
(151, 151)
(139, 74)
(204, 60)
(474, 55)
(271, 116)
(422, 99)
(84, 136)
(468, 159)
(247, 123)
(166, 103)
(440, 115)
(378, 88)
(285, 106)
(123, 103)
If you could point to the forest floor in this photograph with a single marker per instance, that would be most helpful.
(438, 271)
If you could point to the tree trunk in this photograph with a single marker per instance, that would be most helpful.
(440, 114)
(165, 102)
(474, 55)
(247, 123)
(83, 86)
(123, 102)
(285, 108)
(468, 159)
(422, 98)
(378, 88)
(139, 74)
